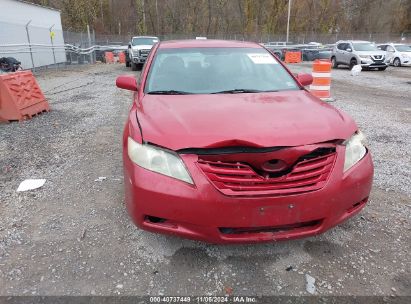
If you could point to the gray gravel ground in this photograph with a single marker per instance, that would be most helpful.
(73, 236)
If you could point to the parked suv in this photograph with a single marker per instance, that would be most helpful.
(397, 54)
(353, 52)
(138, 50)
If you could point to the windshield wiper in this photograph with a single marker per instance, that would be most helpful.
(236, 91)
(169, 92)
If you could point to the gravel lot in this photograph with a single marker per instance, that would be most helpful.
(73, 235)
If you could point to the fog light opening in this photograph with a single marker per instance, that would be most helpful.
(155, 220)
(357, 205)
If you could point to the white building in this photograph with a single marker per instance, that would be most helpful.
(22, 22)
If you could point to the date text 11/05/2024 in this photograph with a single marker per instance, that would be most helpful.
(203, 299)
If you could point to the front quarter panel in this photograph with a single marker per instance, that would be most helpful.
(133, 127)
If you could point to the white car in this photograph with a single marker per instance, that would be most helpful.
(138, 50)
(397, 54)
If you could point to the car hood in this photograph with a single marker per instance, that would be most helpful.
(370, 53)
(290, 118)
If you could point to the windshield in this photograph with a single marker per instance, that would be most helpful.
(214, 70)
(365, 46)
(403, 48)
(144, 41)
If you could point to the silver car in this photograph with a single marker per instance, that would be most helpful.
(353, 52)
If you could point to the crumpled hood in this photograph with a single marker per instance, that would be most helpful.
(290, 118)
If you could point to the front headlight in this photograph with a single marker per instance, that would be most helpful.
(365, 56)
(354, 150)
(158, 160)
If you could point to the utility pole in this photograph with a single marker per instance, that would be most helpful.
(144, 16)
(102, 13)
(288, 20)
(28, 39)
(158, 19)
(89, 44)
(52, 44)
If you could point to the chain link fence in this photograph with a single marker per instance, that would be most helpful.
(83, 41)
(33, 45)
(301, 38)
(40, 47)
(297, 38)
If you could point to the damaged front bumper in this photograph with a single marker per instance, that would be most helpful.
(139, 59)
(162, 204)
(369, 63)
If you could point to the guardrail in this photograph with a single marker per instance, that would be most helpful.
(12, 50)
(309, 52)
(72, 54)
(35, 48)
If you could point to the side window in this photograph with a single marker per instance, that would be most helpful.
(390, 48)
(348, 46)
(341, 46)
(382, 47)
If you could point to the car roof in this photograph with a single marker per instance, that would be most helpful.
(356, 41)
(177, 44)
(144, 37)
(392, 43)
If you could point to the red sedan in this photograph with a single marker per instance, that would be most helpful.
(223, 144)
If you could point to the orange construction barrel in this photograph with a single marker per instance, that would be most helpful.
(109, 56)
(321, 79)
(292, 57)
(122, 57)
(20, 96)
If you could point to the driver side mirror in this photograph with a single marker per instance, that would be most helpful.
(127, 82)
(305, 79)
(348, 50)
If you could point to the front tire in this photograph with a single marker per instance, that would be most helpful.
(352, 63)
(334, 63)
(382, 69)
(397, 62)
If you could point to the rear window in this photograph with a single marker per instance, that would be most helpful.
(212, 70)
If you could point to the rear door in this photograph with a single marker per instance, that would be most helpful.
(339, 53)
(345, 55)
(383, 47)
(348, 54)
(389, 54)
